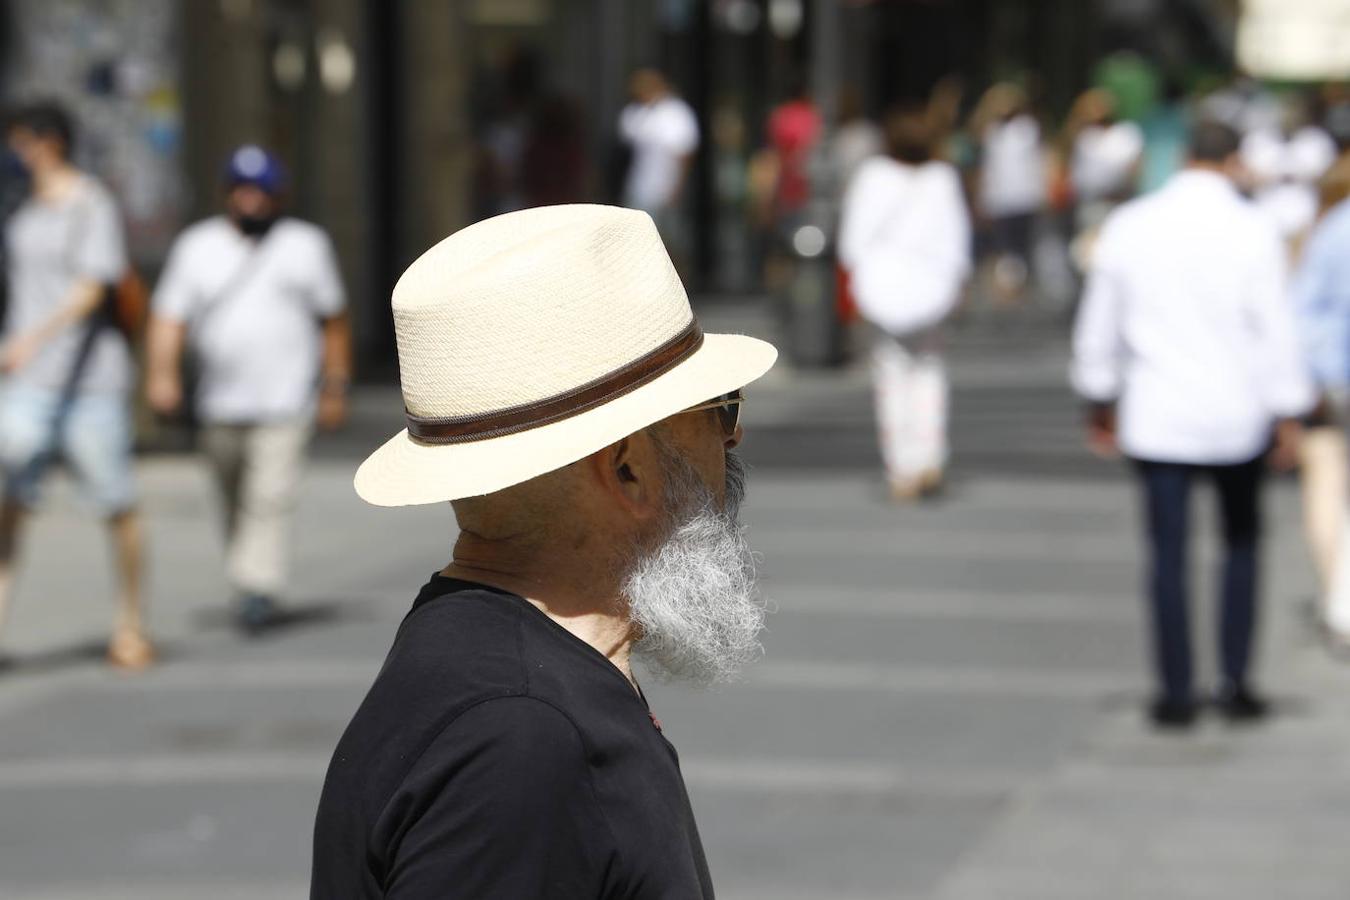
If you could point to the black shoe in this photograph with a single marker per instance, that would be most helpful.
(256, 614)
(1239, 704)
(1173, 715)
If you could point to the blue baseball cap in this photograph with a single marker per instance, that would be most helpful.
(251, 164)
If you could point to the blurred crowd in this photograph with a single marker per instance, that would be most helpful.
(1203, 252)
(245, 331)
(943, 203)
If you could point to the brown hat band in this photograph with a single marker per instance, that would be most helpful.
(464, 429)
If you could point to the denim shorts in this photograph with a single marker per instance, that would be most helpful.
(90, 432)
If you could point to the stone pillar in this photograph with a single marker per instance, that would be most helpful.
(226, 90)
(436, 146)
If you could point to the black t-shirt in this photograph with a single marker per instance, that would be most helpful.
(499, 756)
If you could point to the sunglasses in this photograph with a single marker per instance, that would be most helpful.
(728, 407)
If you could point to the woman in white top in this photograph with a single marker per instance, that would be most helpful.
(905, 242)
(1012, 184)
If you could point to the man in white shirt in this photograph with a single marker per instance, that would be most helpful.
(67, 371)
(1187, 328)
(662, 133)
(259, 298)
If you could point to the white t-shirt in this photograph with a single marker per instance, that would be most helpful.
(904, 237)
(51, 245)
(1012, 177)
(1187, 321)
(1286, 171)
(253, 310)
(661, 135)
(1104, 158)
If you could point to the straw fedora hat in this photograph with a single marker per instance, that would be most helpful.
(532, 339)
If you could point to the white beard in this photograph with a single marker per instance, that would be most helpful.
(692, 597)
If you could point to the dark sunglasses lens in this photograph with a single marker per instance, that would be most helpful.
(728, 416)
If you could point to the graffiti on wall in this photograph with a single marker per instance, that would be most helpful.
(113, 64)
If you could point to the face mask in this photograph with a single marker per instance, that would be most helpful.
(255, 226)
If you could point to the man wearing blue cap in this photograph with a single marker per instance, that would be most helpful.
(259, 298)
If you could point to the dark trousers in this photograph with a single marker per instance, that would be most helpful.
(1167, 490)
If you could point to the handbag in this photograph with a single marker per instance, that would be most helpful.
(127, 304)
(126, 301)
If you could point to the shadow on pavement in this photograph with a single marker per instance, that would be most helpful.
(290, 617)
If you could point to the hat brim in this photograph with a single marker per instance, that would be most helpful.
(406, 472)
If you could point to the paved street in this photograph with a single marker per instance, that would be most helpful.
(947, 709)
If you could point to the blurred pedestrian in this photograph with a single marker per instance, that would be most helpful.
(1012, 184)
(904, 239)
(1324, 471)
(794, 131)
(257, 299)
(1284, 163)
(662, 133)
(68, 370)
(1186, 328)
(560, 395)
(856, 139)
(783, 181)
(1104, 162)
(1322, 297)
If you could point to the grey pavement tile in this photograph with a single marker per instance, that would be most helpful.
(856, 847)
(184, 834)
(932, 731)
(207, 720)
(1050, 647)
(898, 570)
(961, 727)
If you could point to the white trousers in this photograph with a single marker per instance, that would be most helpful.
(257, 469)
(910, 381)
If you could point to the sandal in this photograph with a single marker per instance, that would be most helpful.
(130, 651)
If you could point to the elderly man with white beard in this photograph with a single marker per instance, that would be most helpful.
(560, 394)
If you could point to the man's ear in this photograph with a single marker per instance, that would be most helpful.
(629, 475)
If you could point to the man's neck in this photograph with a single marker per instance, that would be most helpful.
(565, 587)
(1196, 165)
(55, 182)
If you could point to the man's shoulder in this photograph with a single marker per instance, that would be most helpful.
(470, 632)
(204, 233)
(1139, 215)
(454, 650)
(95, 191)
(293, 229)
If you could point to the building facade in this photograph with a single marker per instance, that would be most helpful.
(403, 121)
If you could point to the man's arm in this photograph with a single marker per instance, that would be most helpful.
(84, 299)
(163, 361)
(336, 371)
(329, 303)
(1285, 381)
(500, 806)
(1098, 351)
(172, 308)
